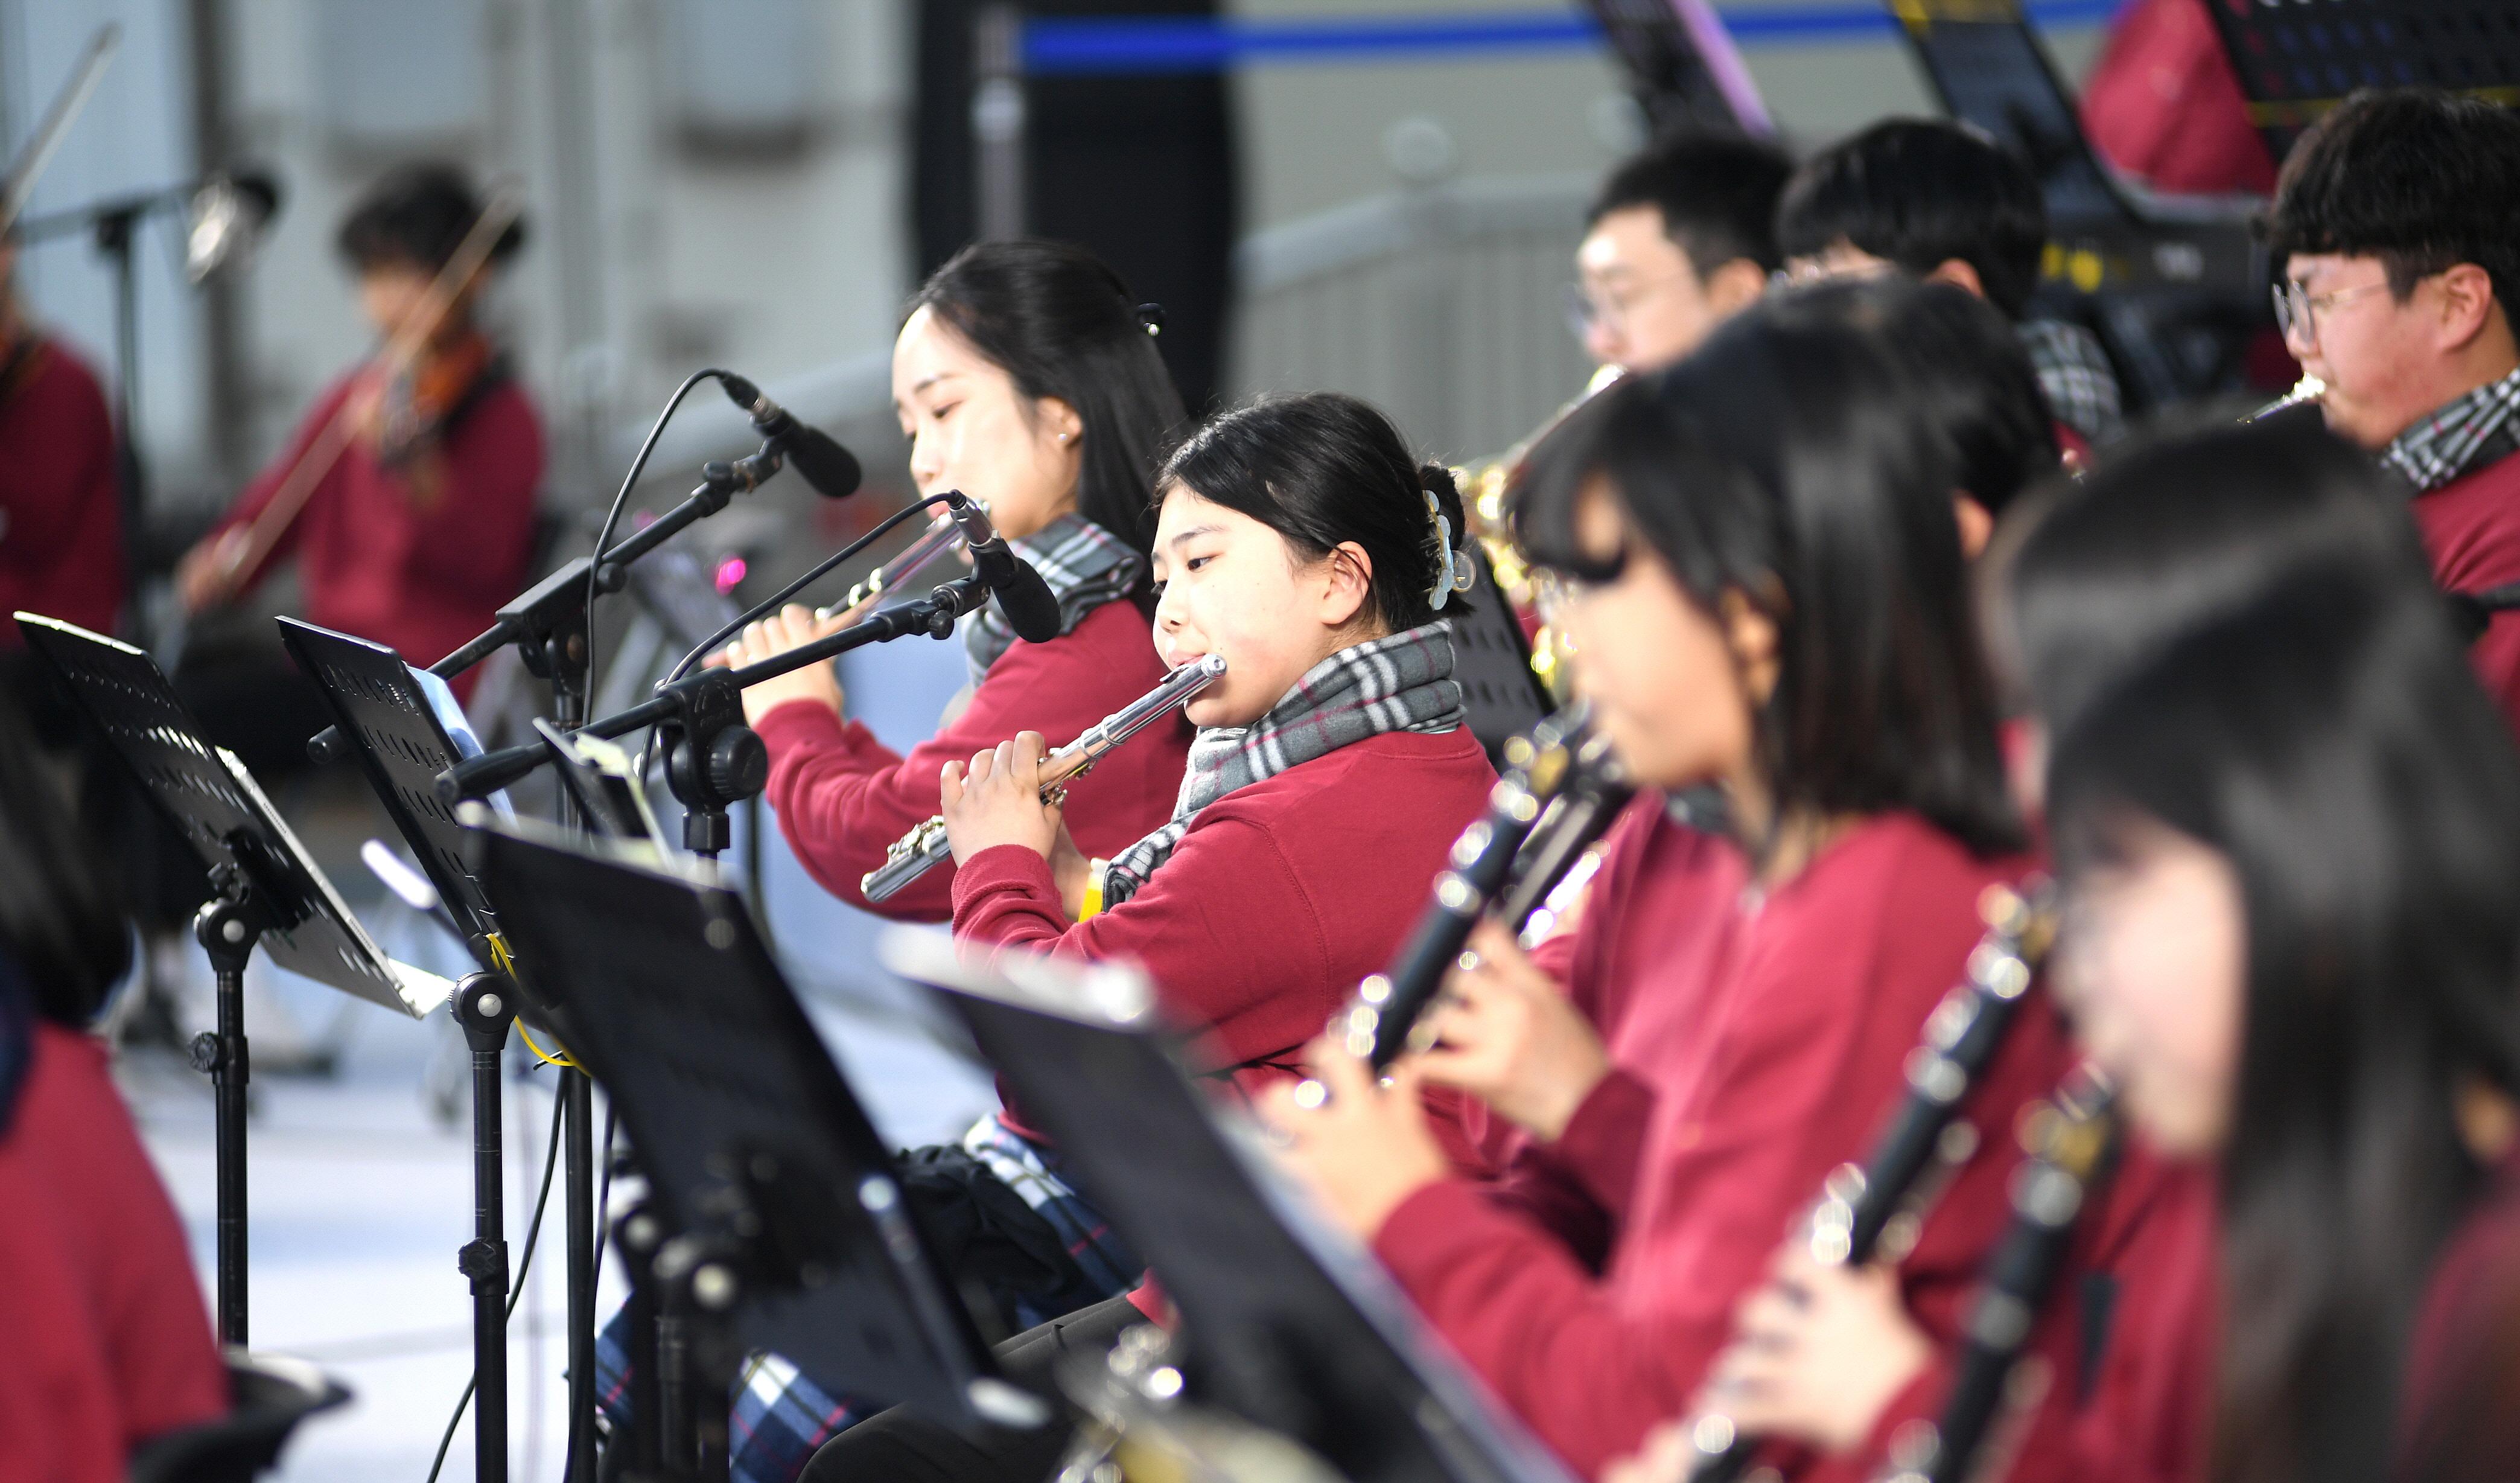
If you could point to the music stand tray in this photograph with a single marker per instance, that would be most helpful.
(680, 1012)
(1289, 1324)
(214, 803)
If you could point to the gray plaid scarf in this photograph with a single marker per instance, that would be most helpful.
(1084, 566)
(1400, 683)
(2475, 428)
(2075, 376)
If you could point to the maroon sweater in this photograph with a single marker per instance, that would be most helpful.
(61, 519)
(1759, 1044)
(375, 562)
(115, 1330)
(842, 797)
(2471, 527)
(1281, 897)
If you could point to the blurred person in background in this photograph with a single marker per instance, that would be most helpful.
(105, 1340)
(425, 523)
(1681, 238)
(1943, 201)
(61, 514)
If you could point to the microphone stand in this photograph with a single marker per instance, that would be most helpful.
(712, 759)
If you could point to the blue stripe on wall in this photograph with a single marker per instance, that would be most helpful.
(1088, 47)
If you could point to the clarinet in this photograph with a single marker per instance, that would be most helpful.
(2309, 388)
(937, 539)
(2072, 1142)
(924, 848)
(1876, 1210)
(1559, 792)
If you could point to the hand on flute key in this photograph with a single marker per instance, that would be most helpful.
(783, 630)
(997, 800)
(1507, 1034)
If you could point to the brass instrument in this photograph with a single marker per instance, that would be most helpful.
(1876, 1210)
(924, 848)
(1487, 492)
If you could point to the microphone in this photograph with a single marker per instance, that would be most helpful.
(1023, 598)
(831, 468)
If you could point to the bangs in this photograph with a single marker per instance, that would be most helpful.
(1649, 462)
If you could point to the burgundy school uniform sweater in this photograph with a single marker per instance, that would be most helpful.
(378, 562)
(61, 516)
(842, 797)
(114, 1346)
(1759, 1043)
(1281, 896)
(2471, 527)
(2128, 1343)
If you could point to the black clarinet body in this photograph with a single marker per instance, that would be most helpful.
(1875, 1210)
(2072, 1144)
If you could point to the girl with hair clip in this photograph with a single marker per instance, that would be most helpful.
(1298, 539)
(2089, 585)
(1025, 377)
(1765, 581)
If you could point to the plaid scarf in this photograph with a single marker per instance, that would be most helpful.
(1084, 566)
(2476, 428)
(1400, 683)
(2075, 376)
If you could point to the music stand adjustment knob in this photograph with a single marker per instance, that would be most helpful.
(739, 764)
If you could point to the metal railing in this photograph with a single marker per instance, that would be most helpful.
(1441, 303)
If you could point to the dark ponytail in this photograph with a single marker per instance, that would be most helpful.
(1324, 468)
(1062, 324)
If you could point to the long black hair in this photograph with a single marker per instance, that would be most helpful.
(1061, 323)
(2330, 741)
(63, 919)
(1324, 468)
(2168, 531)
(1789, 462)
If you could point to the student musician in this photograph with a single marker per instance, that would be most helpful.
(109, 1343)
(2165, 535)
(2395, 225)
(1026, 378)
(1936, 200)
(2293, 846)
(1682, 237)
(60, 514)
(1299, 540)
(1765, 581)
(425, 523)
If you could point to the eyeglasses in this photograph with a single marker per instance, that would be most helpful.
(1586, 308)
(2297, 309)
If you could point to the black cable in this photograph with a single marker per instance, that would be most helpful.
(622, 499)
(550, 1162)
(603, 1193)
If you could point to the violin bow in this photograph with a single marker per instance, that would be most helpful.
(272, 522)
(38, 153)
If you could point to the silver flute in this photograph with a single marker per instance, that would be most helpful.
(940, 537)
(924, 848)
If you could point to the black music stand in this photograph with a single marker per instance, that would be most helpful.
(270, 891)
(2296, 62)
(404, 725)
(1502, 697)
(603, 781)
(1289, 1324)
(790, 1229)
(2175, 286)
